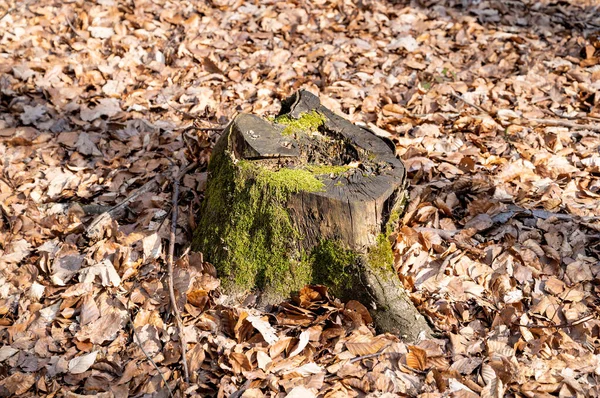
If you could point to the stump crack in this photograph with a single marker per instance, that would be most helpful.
(351, 218)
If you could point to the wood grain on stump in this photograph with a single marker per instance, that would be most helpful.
(307, 198)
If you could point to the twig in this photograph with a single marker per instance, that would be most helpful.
(73, 28)
(174, 214)
(528, 121)
(514, 210)
(97, 223)
(194, 118)
(565, 123)
(558, 326)
(139, 343)
(8, 11)
(209, 128)
(186, 170)
(369, 356)
(466, 101)
(147, 187)
(181, 174)
(553, 113)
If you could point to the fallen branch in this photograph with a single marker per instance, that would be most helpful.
(8, 11)
(209, 128)
(96, 225)
(195, 119)
(553, 113)
(139, 343)
(514, 210)
(565, 123)
(528, 121)
(186, 169)
(174, 214)
(179, 177)
(479, 108)
(558, 326)
(369, 356)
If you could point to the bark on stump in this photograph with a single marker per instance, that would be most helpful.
(307, 198)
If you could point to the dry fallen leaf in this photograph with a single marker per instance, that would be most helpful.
(265, 329)
(82, 363)
(364, 345)
(416, 358)
(492, 107)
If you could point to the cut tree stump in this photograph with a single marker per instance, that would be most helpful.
(307, 198)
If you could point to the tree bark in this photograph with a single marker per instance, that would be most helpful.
(307, 198)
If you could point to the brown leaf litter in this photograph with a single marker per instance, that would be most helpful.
(493, 106)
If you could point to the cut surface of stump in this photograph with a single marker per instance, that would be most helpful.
(307, 198)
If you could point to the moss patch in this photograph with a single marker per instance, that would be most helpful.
(245, 229)
(332, 264)
(381, 256)
(392, 222)
(309, 121)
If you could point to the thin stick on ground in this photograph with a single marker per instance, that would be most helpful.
(174, 215)
(179, 177)
(210, 128)
(466, 101)
(194, 118)
(97, 223)
(8, 11)
(139, 343)
(557, 326)
(369, 356)
(565, 123)
(528, 121)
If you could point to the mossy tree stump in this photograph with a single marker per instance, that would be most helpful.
(307, 198)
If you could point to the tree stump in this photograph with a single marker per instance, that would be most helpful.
(307, 198)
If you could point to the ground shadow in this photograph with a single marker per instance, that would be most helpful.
(517, 15)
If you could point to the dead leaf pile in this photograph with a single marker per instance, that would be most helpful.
(493, 106)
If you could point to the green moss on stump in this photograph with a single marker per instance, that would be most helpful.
(246, 232)
(381, 256)
(245, 229)
(307, 122)
(333, 266)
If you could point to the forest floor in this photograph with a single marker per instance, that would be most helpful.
(493, 106)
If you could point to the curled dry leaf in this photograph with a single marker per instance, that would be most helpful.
(302, 343)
